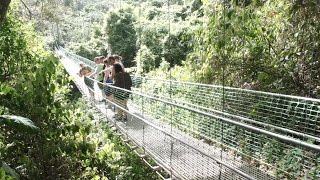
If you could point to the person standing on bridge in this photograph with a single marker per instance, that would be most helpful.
(118, 60)
(115, 59)
(107, 79)
(122, 80)
(87, 72)
(99, 73)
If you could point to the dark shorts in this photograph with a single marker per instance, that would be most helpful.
(108, 90)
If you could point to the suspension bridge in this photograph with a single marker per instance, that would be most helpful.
(198, 131)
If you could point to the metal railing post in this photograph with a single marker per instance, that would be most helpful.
(143, 139)
(171, 156)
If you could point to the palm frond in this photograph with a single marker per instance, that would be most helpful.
(13, 121)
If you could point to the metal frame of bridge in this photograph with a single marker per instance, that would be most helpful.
(180, 154)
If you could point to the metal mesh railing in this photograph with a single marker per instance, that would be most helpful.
(287, 116)
(173, 150)
(78, 58)
(291, 112)
(237, 135)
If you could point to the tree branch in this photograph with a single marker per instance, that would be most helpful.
(30, 13)
(4, 4)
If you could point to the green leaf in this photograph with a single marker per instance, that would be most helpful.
(14, 121)
(231, 11)
(9, 170)
(5, 89)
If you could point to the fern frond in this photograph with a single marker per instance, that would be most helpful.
(12, 121)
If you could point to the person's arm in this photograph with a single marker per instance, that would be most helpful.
(90, 74)
(106, 74)
(80, 72)
(95, 72)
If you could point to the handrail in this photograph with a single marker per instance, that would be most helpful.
(234, 88)
(174, 137)
(169, 134)
(229, 121)
(241, 118)
(216, 86)
(248, 127)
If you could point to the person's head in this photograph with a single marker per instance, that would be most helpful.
(84, 71)
(111, 60)
(82, 65)
(106, 62)
(117, 58)
(99, 59)
(117, 68)
(96, 60)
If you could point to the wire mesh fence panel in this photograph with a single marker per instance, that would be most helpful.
(263, 135)
(290, 116)
(77, 58)
(291, 112)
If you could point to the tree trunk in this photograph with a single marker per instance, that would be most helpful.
(4, 4)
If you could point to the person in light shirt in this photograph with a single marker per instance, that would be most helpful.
(86, 72)
(99, 73)
(107, 79)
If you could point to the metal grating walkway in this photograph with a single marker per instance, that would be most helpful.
(182, 154)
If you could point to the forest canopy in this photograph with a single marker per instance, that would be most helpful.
(268, 45)
(264, 45)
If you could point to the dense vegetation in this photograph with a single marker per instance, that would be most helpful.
(258, 44)
(63, 141)
(270, 45)
(264, 45)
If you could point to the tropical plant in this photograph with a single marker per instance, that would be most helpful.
(18, 124)
(67, 144)
(122, 34)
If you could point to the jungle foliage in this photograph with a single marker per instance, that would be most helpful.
(270, 45)
(257, 44)
(46, 130)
